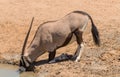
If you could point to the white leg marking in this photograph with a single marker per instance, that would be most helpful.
(80, 52)
(85, 25)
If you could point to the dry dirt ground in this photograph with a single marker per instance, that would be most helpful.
(103, 61)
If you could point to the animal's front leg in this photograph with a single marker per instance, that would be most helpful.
(52, 55)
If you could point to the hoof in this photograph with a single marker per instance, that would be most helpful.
(52, 61)
(77, 60)
(74, 58)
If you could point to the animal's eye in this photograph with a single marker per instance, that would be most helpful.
(34, 46)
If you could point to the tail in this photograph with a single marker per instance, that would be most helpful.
(95, 34)
(94, 29)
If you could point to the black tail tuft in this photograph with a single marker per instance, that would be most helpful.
(95, 34)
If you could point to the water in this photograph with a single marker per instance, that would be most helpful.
(7, 70)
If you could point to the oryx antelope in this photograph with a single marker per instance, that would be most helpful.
(55, 34)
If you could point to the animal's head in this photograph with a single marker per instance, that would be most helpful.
(24, 62)
(27, 65)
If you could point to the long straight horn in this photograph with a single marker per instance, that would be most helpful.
(25, 41)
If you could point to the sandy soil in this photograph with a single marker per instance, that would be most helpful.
(104, 61)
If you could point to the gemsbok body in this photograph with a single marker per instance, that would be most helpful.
(55, 34)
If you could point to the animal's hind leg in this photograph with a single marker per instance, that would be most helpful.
(79, 52)
(80, 47)
(52, 55)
